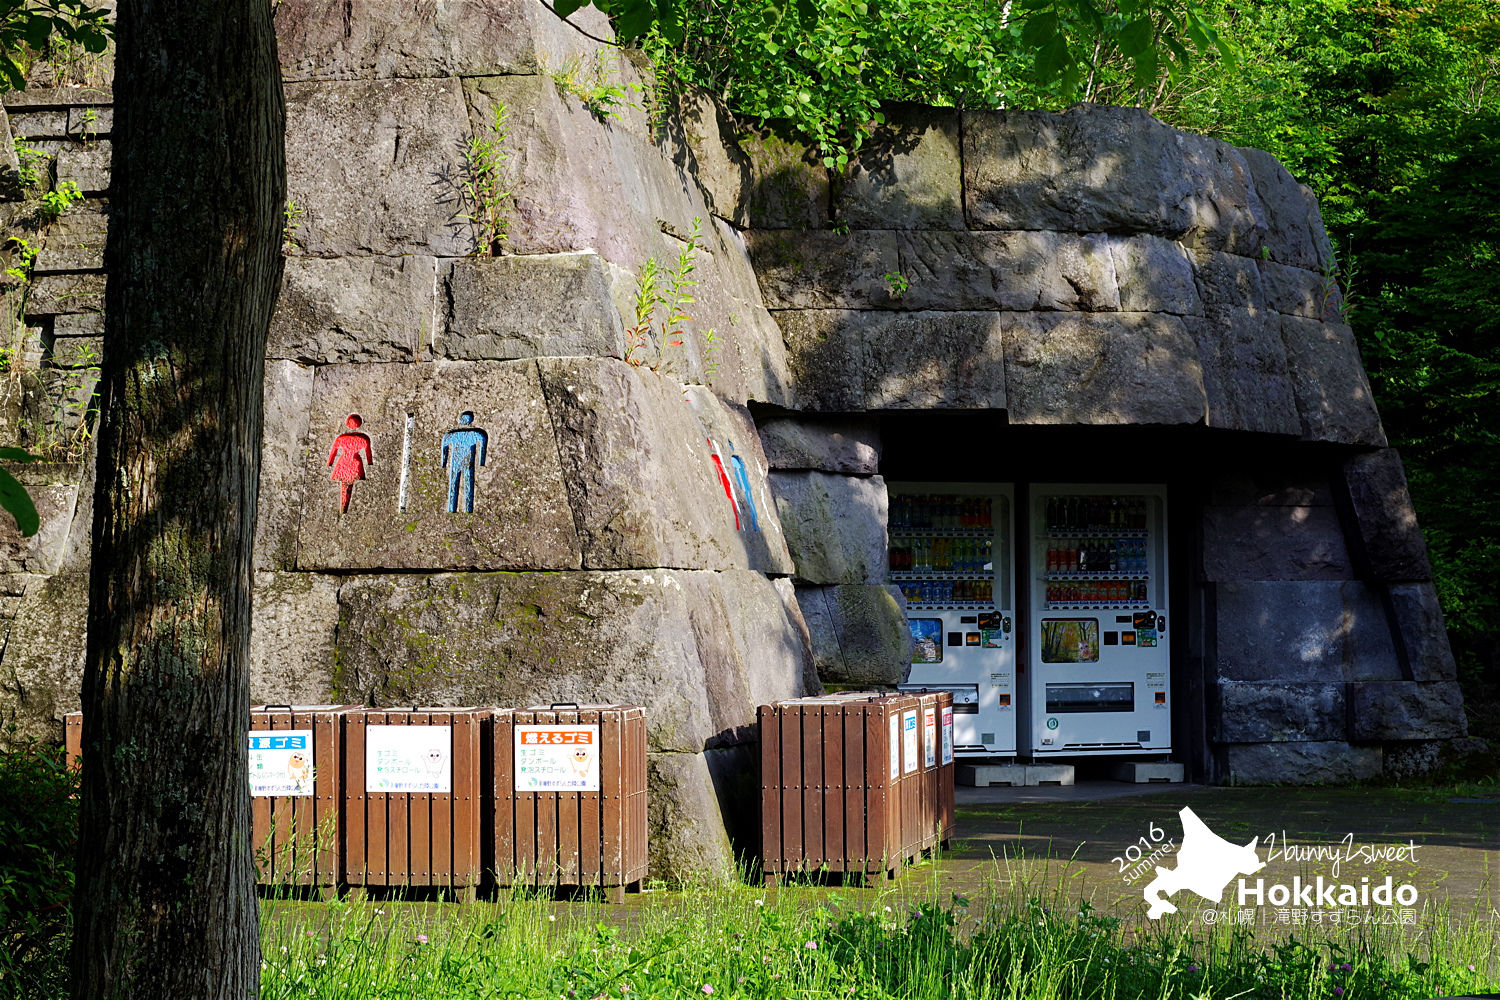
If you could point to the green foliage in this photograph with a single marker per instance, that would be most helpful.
(483, 182)
(60, 199)
(733, 944)
(897, 284)
(30, 160)
(34, 25)
(14, 499)
(825, 67)
(38, 831)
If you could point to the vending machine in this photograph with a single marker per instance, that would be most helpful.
(950, 553)
(1098, 630)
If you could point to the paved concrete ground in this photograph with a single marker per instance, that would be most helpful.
(1080, 837)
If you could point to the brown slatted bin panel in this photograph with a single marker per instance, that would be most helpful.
(396, 832)
(548, 824)
(73, 739)
(296, 835)
(948, 771)
(829, 799)
(907, 829)
(929, 752)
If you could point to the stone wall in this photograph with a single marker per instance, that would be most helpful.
(617, 542)
(701, 526)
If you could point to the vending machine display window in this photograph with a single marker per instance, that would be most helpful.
(1070, 640)
(926, 640)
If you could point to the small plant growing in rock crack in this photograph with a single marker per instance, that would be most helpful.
(658, 289)
(289, 225)
(89, 125)
(588, 80)
(896, 284)
(60, 199)
(19, 256)
(1338, 303)
(484, 157)
(711, 358)
(30, 161)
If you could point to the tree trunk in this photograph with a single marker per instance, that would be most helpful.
(165, 900)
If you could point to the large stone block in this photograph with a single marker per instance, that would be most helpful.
(948, 360)
(1407, 710)
(1294, 227)
(1289, 484)
(85, 167)
(847, 446)
(1296, 291)
(859, 633)
(1392, 545)
(1091, 169)
(754, 341)
(685, 821)
(53, 489)
(341, 309)
(660, 639)
(376, 167)
(1274, 543)
(907, 175)
(1247, 376)
(409, 501)
(1124, 368)
(42, 667)
(57, 294)
(1228, 283)
(1333, 393)
(1305, 632)
(284, 455)
(835, 525)
(1312, 763)
(825, 357)
(824, 270)
(701, 136)
(642, 476)
(292, 651)
(729, 432)
(576, 183)
(1419, 623)
(1154, 275)
(770, 636)
(789, 186)
(1012, 270)
(373, 39)
(75, 241)
(1227, 213)
(501, 308)
(1264, 712)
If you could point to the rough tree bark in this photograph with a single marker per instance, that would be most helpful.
(165, 904)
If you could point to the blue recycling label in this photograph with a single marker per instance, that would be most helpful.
(278, 741)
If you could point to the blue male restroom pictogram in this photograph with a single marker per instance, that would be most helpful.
(463, 449)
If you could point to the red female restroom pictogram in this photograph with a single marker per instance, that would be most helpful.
(349, 456)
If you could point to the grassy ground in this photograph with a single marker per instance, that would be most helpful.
(1030, 905)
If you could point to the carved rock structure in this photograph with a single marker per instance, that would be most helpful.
(546, 502)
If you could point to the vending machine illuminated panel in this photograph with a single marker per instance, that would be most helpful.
(1098, 629)
(950, 554)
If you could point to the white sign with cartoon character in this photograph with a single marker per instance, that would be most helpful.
(409, 759)
(561, 758)
(281, 762)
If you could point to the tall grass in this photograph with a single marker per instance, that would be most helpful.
(1027, 942)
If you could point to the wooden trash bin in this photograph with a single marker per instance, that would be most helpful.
(73, 740)
(841, 784)
(568, 797)
(412, 794)
(296, 767)
(935, 724)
